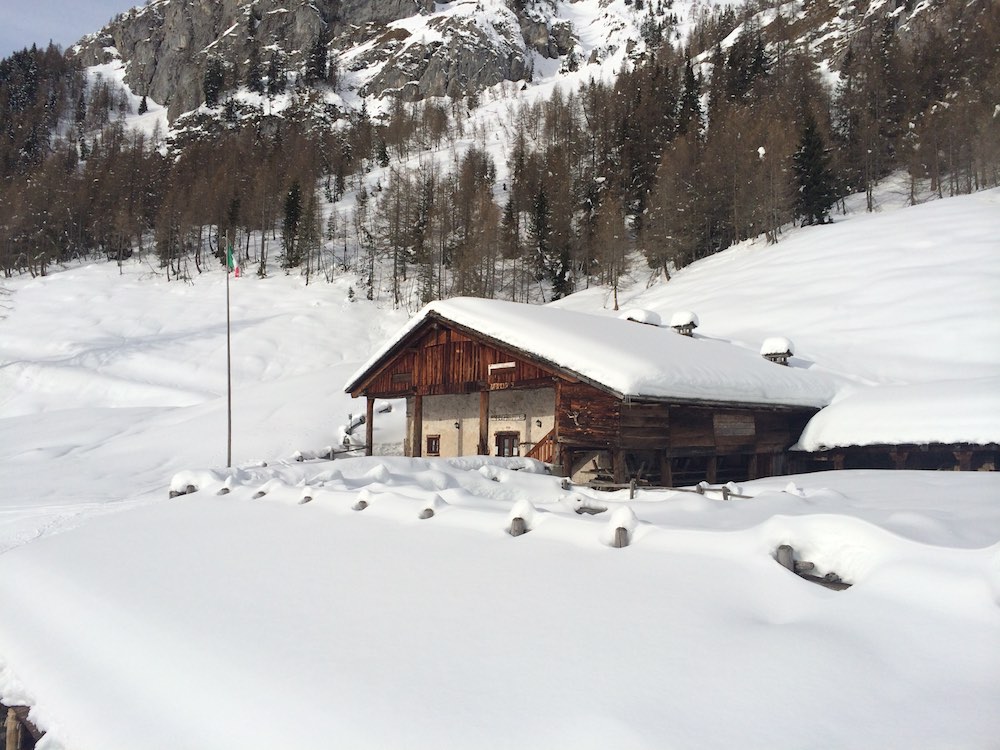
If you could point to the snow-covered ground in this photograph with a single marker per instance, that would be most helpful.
(291, 619)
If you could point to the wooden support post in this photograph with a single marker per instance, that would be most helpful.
(753, 467)
(898, 458)
(712, 469)
(369, 425)
(838, 460)
(12, 734)
(559, 460)
(564, 458)
(964, 459)
(618, 465)
(666, 470)
(484, 423)
(418, 426)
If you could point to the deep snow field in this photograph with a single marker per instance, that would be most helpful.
(130, 620)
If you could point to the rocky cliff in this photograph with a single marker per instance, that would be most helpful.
(168, 45)
(413, 49)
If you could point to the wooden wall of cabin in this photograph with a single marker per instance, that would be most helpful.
(930, 457)
(587, 417)
(671, 444)
(443, 360)
(396, 379)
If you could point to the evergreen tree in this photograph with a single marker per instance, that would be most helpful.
(316, 61)
(817, 191)
(541, 230)
(689, 117)
(382, 153)
(255, 79)
(80, 115)
(143, 105)
(552, 260)
(745, 64)
(276, 79)
(290, 226)
(213, 81)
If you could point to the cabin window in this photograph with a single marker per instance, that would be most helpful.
(508, 443)
(433, 445)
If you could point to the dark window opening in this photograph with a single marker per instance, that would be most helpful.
(508, 444)
(433, 445)
(688, 470)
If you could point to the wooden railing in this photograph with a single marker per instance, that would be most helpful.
(545, 449)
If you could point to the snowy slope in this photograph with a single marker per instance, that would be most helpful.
(232, 621)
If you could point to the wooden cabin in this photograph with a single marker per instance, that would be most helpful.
(599, 398)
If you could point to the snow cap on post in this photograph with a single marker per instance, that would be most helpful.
(638, 315)
(777, 349)
(684, 322)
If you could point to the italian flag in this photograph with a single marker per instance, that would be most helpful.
(231, 262)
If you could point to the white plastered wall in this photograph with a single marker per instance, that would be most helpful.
(530, 413)
(441, 413)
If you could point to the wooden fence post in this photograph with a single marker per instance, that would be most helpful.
(621, 538)
(517, 527)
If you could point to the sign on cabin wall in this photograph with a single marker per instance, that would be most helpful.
(508, 417)
(501, 375)
(734, 425)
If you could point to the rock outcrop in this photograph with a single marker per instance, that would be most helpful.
(168, 45)
(458, 55)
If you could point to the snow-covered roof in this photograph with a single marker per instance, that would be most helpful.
(947, 412)
(639, 361)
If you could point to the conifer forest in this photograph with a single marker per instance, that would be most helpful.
(684, 153)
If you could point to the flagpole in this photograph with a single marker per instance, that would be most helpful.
(229, 371)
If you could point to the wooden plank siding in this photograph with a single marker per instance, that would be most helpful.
(587, 417)
(394, 380)
(443, 361)
(691, 427)
(645, 426)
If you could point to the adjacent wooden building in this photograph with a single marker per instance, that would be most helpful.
(599, 398)
(931, 426)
